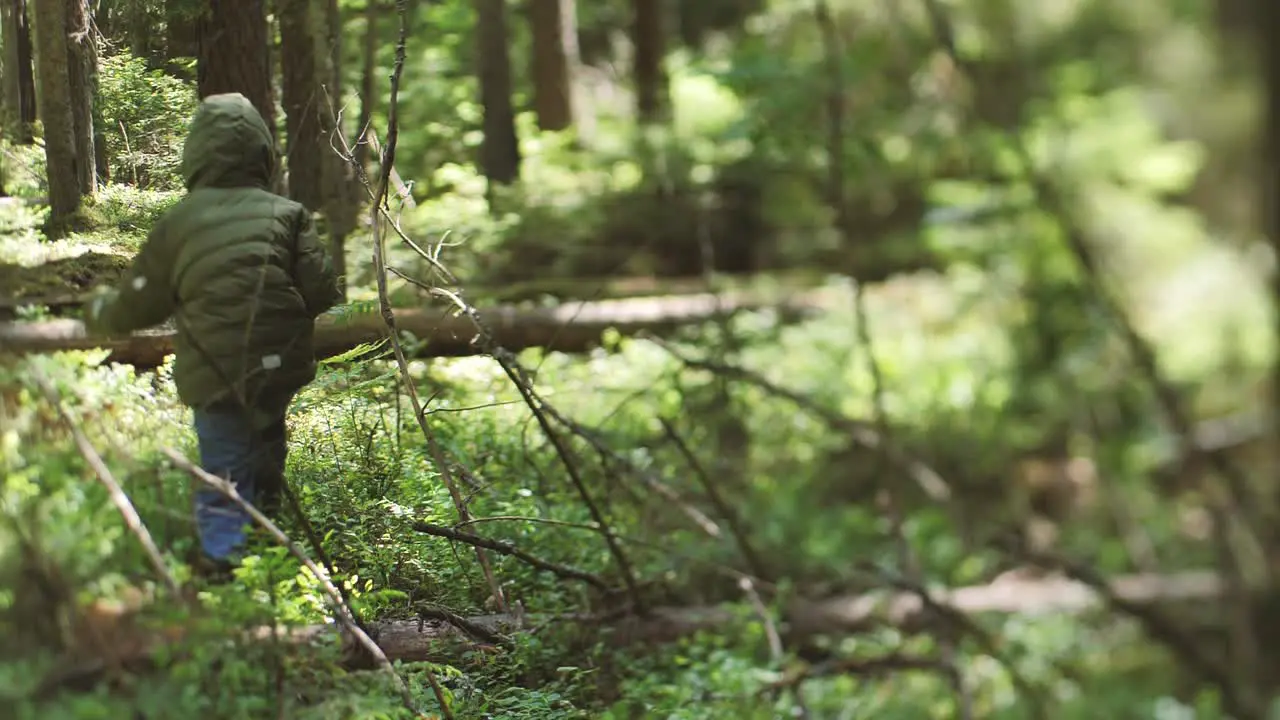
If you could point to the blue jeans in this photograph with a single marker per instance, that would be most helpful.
(253, 459)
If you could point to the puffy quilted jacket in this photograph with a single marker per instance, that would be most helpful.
(239, 268)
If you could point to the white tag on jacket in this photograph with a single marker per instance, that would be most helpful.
(271, 362)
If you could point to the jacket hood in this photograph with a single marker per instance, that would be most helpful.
(228, 145)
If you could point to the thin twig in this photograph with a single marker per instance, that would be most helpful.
(342, 610)
(117, 494)
(726, 511)
(771, 633)
(862, 667)
(541, 411)
(864, 434)
(836, 102)
(388, 313)
(505, 548)
(668, 493)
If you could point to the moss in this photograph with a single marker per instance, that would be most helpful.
(58, 277)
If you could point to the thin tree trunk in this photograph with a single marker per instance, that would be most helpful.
(300, 90)
(19, 80)
(82, 74)
(500, 150)
(553, 25)
(1265, 17)
(341, 198)
(233, 55)
(9, 62)
(368, 82)
(50, 20)
(648, 73)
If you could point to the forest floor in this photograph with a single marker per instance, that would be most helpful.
(370, 486)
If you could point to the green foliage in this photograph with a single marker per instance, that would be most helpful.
(143, 114)
(1003, 345)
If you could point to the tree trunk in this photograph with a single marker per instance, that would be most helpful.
(500, 150)
(82, 74)
(341, 190)
(19, 79)
(648, 72)
(232, 54)
(50, 20)
(553, 24)
(569, 327)
(301, 93)
(368, 82)
(1265, 17)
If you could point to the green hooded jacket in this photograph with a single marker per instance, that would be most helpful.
(239, 268)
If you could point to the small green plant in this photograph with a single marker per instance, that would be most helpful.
(143, 115)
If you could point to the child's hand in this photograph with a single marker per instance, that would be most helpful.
(93, 308)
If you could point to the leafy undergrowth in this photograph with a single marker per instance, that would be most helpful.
(364, 477)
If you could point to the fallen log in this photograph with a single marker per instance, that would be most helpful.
(436, 640)
(569, 327)
(560, 289)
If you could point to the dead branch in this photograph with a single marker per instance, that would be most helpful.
(388, 313)
(569, 328)
(836, 105)
(432, 640)
(117, 494)
(1157, 624)
(505, 548)
(860, 432)
(540, 409)
(724, 509)
(862, 667)
(665, 491)
(342, 611)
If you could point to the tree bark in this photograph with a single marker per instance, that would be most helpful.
(50, 20)
(82, 73)
(500, 150)
(570, 327)
(648, 67)
(19, 77)
(342, 191)
(232, 54)
(301, 93)
(368, 83)
(1265, 17)
(554, 27)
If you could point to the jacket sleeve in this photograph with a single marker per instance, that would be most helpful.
(313, 270)
(142, 298)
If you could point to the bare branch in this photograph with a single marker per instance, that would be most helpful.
(726, 511)
(117, 494)
(342, 612)
(506, 548)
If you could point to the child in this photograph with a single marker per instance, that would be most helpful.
(244, 275)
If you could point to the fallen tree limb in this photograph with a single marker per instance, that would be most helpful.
(505, 548)
(413, 640)
(570, 327)
(434, 639)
